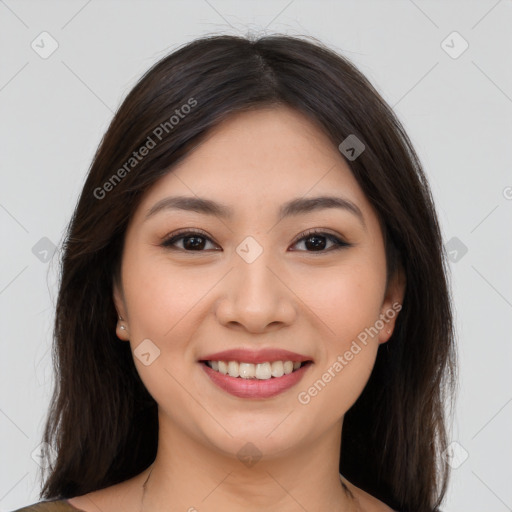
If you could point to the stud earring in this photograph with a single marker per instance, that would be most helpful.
(122, 327)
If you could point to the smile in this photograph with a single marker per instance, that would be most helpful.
(255, 381)
(262, 371)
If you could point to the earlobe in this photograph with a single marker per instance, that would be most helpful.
(388, 318)
(122, 330)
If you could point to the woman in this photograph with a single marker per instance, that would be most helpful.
(254, 311)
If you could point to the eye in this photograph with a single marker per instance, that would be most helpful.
(196, 241)
(192, 241)
(317, 241)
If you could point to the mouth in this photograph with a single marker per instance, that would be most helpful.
(255, 380)
(259, 371)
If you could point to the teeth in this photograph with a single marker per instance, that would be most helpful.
(277, 369)
(262, 371)
(223, 367)
(247, 371)
(233, 369)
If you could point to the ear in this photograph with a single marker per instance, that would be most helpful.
(120, 305)
(392, 304)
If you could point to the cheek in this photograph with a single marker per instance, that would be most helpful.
(160, 296)
(347, 298)
(163, 303)
(335, 387)
(348, 303)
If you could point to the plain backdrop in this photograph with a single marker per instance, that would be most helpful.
(445, 67)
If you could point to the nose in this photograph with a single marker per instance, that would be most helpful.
(256, 296)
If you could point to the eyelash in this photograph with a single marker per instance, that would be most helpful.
(186, 233)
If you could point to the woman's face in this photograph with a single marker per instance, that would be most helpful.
(251, 280)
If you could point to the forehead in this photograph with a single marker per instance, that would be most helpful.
(258, 160)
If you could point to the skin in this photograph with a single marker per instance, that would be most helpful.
(193, 303)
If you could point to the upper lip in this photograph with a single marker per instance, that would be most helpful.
(256, 356)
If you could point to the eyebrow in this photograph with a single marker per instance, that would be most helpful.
(294, 207)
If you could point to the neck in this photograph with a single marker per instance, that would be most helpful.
(191, 476)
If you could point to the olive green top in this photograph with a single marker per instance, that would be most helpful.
(49, 506)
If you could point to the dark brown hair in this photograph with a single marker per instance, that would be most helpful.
(102, 422)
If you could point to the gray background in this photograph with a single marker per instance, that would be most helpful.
(456, 107)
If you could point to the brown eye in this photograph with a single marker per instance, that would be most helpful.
(192, 241)
(317, 241)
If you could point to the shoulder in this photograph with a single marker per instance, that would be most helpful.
(48, 506)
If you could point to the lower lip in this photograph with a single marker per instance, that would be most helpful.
(255, 388)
